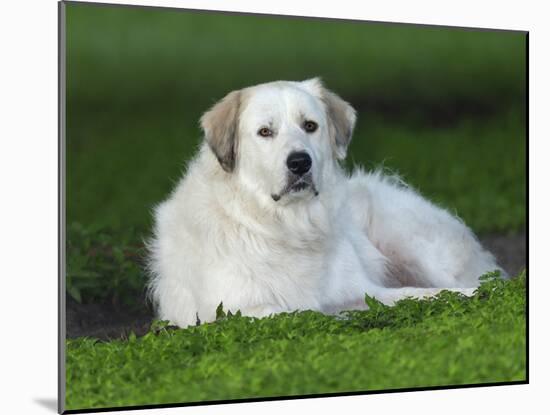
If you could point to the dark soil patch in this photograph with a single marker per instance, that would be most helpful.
(107, 321)
(509, 250)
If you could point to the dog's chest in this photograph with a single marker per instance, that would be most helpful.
(298, 270)
(283, 254)
(286, 266)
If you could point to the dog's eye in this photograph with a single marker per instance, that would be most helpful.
(265, 132)
(310, 126)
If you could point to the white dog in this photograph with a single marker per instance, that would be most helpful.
(265, 220)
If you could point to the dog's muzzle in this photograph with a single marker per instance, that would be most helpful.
(299, 175)
(297, 184)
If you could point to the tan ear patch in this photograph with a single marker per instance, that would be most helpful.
(220, 125)
(341, 119)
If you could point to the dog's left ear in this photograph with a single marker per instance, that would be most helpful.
(340, 115)
(220, 125)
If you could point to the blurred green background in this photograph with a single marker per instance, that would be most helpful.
(445, 108)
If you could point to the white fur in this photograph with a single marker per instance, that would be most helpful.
(221, 237)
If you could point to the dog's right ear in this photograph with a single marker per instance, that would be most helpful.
(220, 125)
(341, 116)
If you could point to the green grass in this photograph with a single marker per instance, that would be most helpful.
(449, 340)
(104, 267)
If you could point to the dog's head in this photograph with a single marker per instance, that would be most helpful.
(280, 139)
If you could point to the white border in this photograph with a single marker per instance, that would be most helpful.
(28, 207)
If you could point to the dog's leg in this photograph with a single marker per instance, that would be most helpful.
(426, 246)
(389, 296)
(260, 311)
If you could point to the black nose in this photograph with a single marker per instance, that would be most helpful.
(299, 162)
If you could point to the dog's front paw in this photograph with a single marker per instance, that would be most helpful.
(468, 292)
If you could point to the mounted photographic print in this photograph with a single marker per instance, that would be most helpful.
(260, 207)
